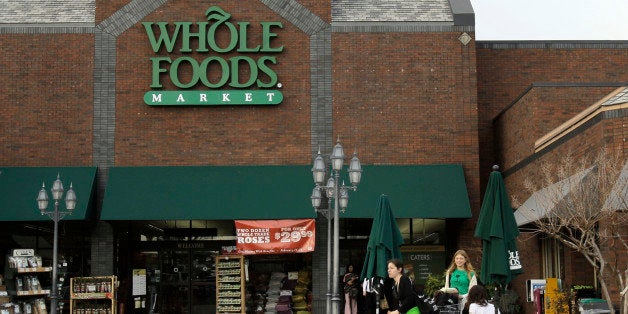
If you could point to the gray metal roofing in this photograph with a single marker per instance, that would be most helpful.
(619, 98)
(83, 11)
(47, 11)
(391, 11)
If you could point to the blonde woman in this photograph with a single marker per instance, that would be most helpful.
(460, 276)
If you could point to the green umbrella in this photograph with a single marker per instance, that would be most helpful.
(384, 241)
(498, 230)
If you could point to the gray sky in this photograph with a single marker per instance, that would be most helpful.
(551, 19)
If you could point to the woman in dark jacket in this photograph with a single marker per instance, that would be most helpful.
(403, 295)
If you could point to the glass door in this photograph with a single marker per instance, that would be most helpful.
(188, 281)
(203, 282)
(175, 277)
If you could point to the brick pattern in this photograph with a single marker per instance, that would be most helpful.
(211, 135)
(535, 114)
(320, 8)
(46, 100)
(106, 8)
(407, 96)
(506, 70)
(102, 250)
(609, 132)
(532, 88)
(398, 108)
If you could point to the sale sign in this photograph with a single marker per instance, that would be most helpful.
(275, 236)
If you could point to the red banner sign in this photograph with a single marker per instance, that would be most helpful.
(275, 236)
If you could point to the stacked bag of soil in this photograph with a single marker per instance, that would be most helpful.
(302, 295)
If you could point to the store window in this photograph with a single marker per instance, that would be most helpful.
(186, 230)
(552, 258)
(422, 231)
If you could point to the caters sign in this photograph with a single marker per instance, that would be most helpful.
(228, 79)
(275, 236)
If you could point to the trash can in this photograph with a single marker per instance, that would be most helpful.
(593, 306)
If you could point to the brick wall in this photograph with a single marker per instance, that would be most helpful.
(585, 144)
(408, 100)
(220, 135)
(535, 114)
(530, 92)
(47, 94)
(505, 71)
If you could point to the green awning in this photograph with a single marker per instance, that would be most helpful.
(208, 192)
(276, 192)
(417, 191)
(19, 187)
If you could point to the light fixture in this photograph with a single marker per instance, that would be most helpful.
(344, 198)
(318, 169)
(355, 170)
(337, 157)
(42, 199)
(330, 188)
(57, 189)
(316, 198)
(70, 199)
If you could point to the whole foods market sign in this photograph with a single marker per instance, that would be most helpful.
(216, 79)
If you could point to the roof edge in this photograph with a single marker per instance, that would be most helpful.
(463, 12)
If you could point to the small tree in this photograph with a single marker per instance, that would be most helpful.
(588, 213)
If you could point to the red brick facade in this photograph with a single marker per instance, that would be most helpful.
(47, 93)
(412, 98)
(531, 97)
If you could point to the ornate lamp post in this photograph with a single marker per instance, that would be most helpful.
(340, 195)
(56, 215)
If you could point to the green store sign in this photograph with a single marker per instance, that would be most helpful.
(220, 75)
(222, 97)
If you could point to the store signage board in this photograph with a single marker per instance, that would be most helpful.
(139, 282)
(24, 252)
(235, 60)
(275, 236)
(213, 98)
(423, 261)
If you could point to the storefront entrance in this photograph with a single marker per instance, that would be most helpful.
(180, 278)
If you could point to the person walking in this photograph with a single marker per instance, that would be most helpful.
(403, 295)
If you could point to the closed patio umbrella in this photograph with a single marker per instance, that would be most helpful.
(384, 242)
(498, 230)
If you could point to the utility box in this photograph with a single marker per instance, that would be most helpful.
(593, 306)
